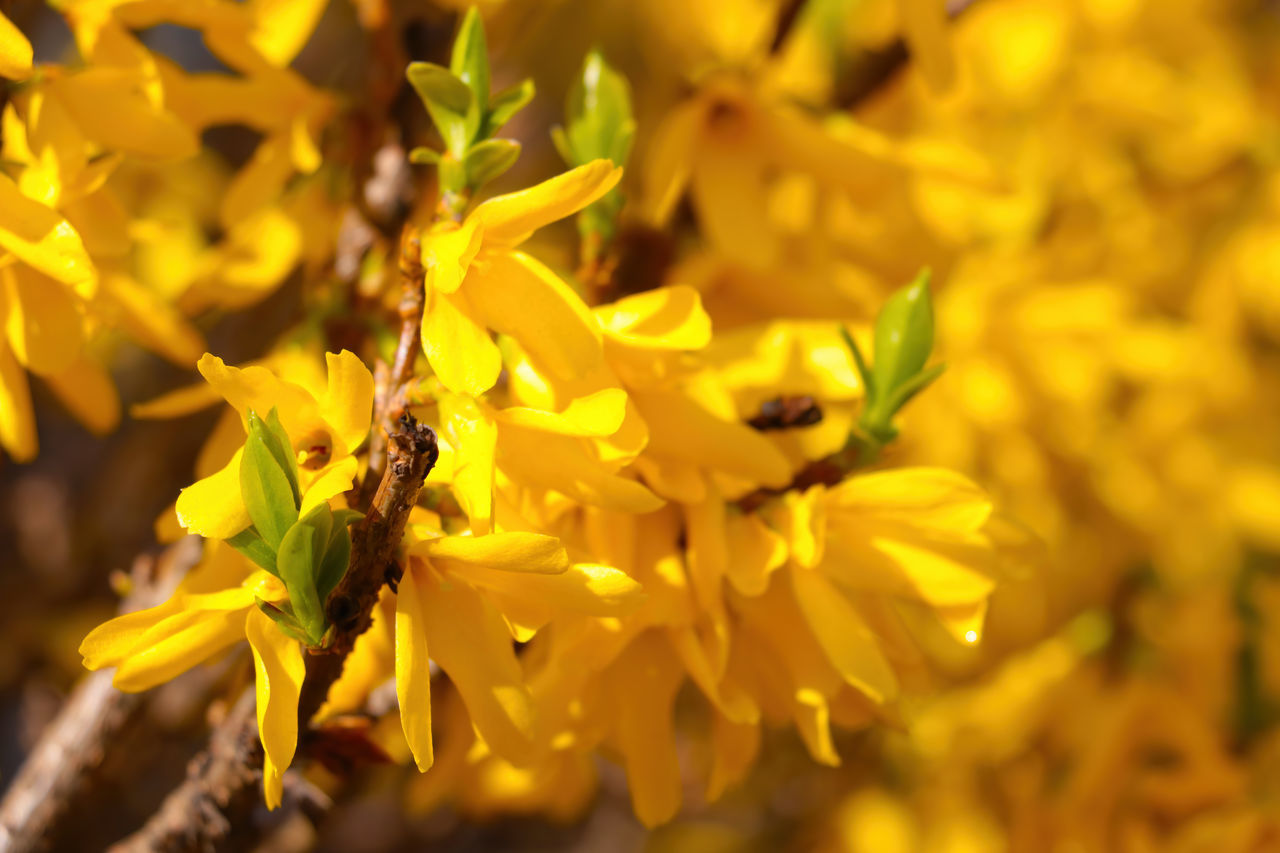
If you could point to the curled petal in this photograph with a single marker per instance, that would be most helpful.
(175, 644)
(15, 51)
(519, 296)
(470, 641)
(600, 414)
(347, 405)
(509, 219)
(212, 507)
(510, 552)
(463, 356)
(666, 318)
(17, 423)
(279, 670)
(413, 670)
(447, 253)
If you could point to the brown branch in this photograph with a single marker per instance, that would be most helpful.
(75, 743)
(207, 810)
(389, 403)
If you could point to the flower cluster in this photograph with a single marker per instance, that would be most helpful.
(934, 404)
(621, 504)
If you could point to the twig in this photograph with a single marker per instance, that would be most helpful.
(76, 741)
(222, 785)
(389, 403)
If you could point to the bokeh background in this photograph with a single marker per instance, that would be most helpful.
(1096, 187)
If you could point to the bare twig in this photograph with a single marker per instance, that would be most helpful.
(390, 401)
(222, 785)
(76, 741)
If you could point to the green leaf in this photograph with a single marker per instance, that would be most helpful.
(561, 143)
(904, 393)
(489, 159)
(599, 110)
(904, 335)
(345, 517)
(452, 174)
(284, 619)
(250, 543)
(333, 566)
(266, 492)
(277, 441)
(424, 156)
(320, 520)
(506, 104)
(450, 102)
(296, 559)
(470, 60)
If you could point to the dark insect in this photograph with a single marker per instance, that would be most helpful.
(786, 413)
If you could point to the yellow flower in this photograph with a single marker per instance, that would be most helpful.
(213, 608)
(326, 428)
(15, 51)
(455, 602)
(478, 280)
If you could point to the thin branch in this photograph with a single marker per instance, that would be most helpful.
(222, 787)
(390, 400)
(75, 743)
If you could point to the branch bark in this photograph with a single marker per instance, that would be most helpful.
(390, 401)
(208, 810)
(76, 741)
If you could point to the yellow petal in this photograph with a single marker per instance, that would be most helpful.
(682, 429)
(565, 464)
(732, 205)
(413, 670)
(43, 325)
(474, 438)
(177, 403)
(924, 23)
(152, 322)
(212, 507)
(332, 480)
(110, 108)
(447, 253)
(599, 414)
(755, 551)
(582, 588)
(40, 237)
(87, 391)
(669, 161)
(902, 562)
(463, 356)
(15, 51)
(844, 635)
(642, 685)
(17, 423)
(175, 644)
(469, 640)
(347, 405)
(733, 749)
(282, 27)
(259, 389)
(667, 318)
(517, 295)
(114, 640)
(279, 670)
(509, 219)
(924, 497)
(812, 717)
(508, 552)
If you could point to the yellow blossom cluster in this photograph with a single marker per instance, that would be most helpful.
(699, 474)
